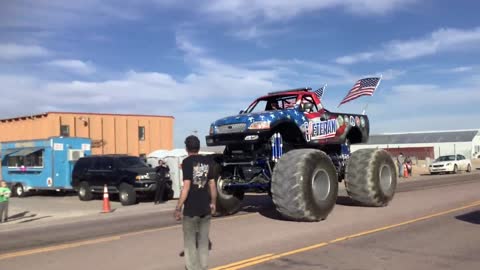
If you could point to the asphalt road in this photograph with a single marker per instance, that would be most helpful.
(153, 240)
(108, 225)
(451, 241)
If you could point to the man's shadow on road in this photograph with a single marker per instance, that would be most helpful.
(24, 217)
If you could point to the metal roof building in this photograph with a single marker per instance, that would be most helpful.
(427, 144)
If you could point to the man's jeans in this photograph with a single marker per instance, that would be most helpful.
(196, 229)
(3, 211)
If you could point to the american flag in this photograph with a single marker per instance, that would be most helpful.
(363, 87)
(319, 92)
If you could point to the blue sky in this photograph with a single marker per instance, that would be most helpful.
(202, 60)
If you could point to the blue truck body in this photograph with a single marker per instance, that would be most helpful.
(44, 164)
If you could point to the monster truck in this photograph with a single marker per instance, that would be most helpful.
(288, 145)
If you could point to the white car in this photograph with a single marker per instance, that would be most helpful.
(450, 164)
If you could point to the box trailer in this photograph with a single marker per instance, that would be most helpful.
(46, 164)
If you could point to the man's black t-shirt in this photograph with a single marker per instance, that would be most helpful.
(197, 169)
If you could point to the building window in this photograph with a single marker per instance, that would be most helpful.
(65, 130)
(141, 133)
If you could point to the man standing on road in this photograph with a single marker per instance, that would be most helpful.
(162, 171)
(198, 198)
(4, 196)
(400, 162)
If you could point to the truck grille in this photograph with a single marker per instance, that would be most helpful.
(152, 175)
(232, 128)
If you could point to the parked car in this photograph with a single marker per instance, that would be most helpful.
(123, 174)
(450, 164)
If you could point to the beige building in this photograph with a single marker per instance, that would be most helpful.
(110, 133)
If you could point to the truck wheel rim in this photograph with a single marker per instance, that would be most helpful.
(82, 192)
(320, 185)
(222, 193)
(124, 196)
(385, 178)
(19, 190)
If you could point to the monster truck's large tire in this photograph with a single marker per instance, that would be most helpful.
(227, 203)
(304, 185)
(371, 177)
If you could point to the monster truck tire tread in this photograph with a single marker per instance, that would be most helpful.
(362, 177)
(292, 191)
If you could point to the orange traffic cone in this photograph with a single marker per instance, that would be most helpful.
(106, 201)
(405, 171)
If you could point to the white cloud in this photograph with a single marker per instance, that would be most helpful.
(441, 121)
(73, 66)
(212, 90)
(45, 14)
(389, 74)
(359, 57)
(13, 51)
(332, 74)
(411, 107)
(452, 70)
(195, 101)
(273, 10)
(461, 69)
(442, 40)
(254, 32)
(184, 44)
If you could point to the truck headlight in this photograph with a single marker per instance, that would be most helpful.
(448, 164)
(142, 177)
(259, 125)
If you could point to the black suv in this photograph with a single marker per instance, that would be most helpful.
(123, 174)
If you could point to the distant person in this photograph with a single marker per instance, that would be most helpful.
(161, 170)
(400, 162)
(5, 193)
(408, 163)
(198, 198)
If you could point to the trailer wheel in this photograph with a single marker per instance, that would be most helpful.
(304, 185)
(85, 192)
(19, 190)
(127, 194)
(371, 177)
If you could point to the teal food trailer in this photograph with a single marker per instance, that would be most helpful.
(41, 164)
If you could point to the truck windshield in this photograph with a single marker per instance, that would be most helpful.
(273, 103)
(132, 162)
